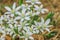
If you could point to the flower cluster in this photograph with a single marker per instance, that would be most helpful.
(24, 21)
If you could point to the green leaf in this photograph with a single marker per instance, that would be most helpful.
(20, 2)
(15, 15)
(52, 34)
(53, 23)
(50, 15)
(34, 18)
(16, 30)
(5, 24)
(21, 34)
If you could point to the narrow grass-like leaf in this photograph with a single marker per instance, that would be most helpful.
(50, 15)
(20, 2)
(16, 30)
(52, 34)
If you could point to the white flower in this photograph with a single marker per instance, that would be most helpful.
(24, 15)
(26, 7)
(43, 25)
(24, 24)
(27, 34)
(6, 17)
(8, 31)
(27, 30)
(17, 18)
(12, 21)
(13, 30)
(16, 30)
(12, 15)
(33, 29)
(31, 13)
(33, 2)
(40, 9)
(13, 10)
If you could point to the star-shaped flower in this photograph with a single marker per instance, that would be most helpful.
(27, 34)
(13, 10)
(41, 26)
(24, 15)
(40, 9)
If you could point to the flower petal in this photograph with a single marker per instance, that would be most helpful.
(37, 13)
(38, 2)
(31, 38)
(7, 8)
(18, 8)
(42, 20)
(12, 15)
(26, 38)
(17, 18)
(28, 1)
(18, 13)
(14, 36)
(37, 31)
(22, 37)
(43, 11)
(36, 7)
(14, 5)
(41, 6)
(35, 23)
(26, 14)
(27, 18)
(22, 20)
(41, 30)
(47, 22)
(7, 12)
(47, 29)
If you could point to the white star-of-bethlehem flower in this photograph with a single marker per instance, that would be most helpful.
(40, 9)
(27, 34)
(13, 30)
(26, 6)
(41, 26)
(13, 10)
(24, 15)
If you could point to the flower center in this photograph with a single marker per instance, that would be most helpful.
(44, 26)
(23, 15)
(26, 35)
(33, 0)
(38, 27)
(31, 29)
(12, 11)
